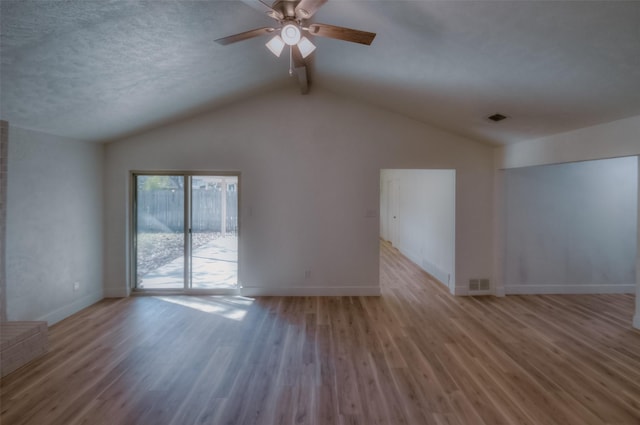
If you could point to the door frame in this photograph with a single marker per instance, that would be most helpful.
(132, 242)
(393, 210)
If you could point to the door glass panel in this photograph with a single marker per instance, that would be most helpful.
(214, 232)
(160, 232)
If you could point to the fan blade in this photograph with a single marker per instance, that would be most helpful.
(301, 69)
(341, 33)
(244, 35)
(307, 8)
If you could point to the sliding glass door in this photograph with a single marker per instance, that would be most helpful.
(185, 231)
(214, 232)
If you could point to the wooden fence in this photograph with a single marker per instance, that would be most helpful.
(162, 210)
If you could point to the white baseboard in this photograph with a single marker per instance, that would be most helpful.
(569, 289)
(636, 321)
(311, 291)
(436, 272)
(116, 293)
(69, 309)
(460, 291)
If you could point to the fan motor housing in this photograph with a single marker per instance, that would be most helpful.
(286, 7)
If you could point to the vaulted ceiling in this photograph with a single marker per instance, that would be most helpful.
(100, 69)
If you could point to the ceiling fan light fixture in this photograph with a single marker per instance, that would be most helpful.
(290, 34)
(276, 45)
(306, 47)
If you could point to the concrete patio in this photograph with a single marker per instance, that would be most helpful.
(213, 266)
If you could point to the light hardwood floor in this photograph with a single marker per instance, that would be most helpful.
(416, 355)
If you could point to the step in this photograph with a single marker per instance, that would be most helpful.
(20, 343)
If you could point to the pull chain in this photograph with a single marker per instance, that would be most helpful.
(291, 61)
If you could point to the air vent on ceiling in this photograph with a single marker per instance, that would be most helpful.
(497, 117)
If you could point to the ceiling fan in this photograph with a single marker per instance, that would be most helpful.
(292, 27)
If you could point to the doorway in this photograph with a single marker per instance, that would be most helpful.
(185, 232)
(417, 216)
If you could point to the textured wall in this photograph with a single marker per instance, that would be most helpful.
(54, 226)
(4, 150)
(572, 227)
(310, 183)
(636, 317)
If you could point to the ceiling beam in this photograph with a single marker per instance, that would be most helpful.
(303, 79)
(301, 69)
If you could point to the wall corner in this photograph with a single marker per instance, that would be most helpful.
(4, 151)
(636, 318)
(499, 218)
(116, 292)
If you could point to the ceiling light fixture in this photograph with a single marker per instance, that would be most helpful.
(291, 27)
(290, 35)
(306, 47)
(276, 45)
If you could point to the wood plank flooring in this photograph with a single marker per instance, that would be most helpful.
(416, 355)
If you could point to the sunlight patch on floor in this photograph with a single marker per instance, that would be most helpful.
(234, 308)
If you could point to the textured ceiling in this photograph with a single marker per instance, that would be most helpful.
(99, 69)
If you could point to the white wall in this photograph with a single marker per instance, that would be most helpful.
(571, 228)
(425, 220)
(54, 226)
(310, 179)
(615, 139)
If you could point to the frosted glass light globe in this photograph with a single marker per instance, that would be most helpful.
(290, 34)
